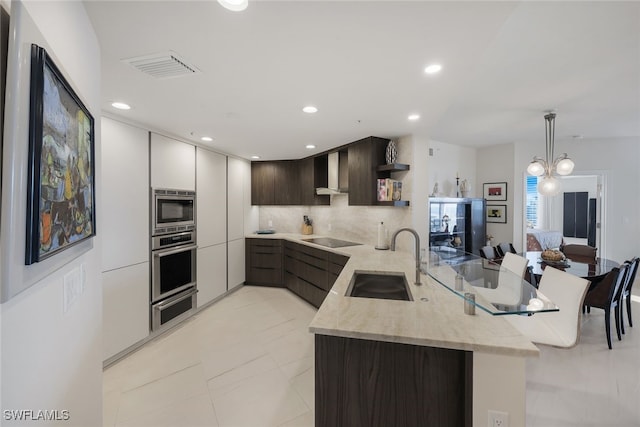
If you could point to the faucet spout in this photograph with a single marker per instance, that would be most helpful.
(417, 238)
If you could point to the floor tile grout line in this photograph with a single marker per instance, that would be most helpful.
(161, 378)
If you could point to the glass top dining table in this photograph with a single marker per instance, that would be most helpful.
(590, 269)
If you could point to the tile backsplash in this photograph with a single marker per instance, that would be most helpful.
(339, 220)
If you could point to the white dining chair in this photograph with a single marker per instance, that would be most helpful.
(557, 328)
(509, 288)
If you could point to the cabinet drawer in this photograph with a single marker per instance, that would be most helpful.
(338, 259)
(314, 275)
(264, 276)
(265, 246)
(266, 260)
(313, 252)
(305, 290)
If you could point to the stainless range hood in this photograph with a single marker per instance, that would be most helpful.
(338, 179)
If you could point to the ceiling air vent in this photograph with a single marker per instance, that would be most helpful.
(162, 65)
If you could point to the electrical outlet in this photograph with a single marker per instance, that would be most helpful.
(270, 223)
(498, 419)
(329, 227)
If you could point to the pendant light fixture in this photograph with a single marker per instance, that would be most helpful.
(546, 168)
(234, 5)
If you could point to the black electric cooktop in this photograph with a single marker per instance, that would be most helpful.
(330, 242)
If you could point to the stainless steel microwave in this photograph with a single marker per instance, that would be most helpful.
(172, 211)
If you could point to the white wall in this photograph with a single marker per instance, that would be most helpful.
(50, 360)
(448, 160)
(495, 164)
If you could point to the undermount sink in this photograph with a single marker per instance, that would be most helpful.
(383, 285)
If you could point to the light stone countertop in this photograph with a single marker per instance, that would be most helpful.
(438, 322)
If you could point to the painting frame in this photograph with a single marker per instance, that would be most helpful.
(495, 191)
(496, 214)
(61, 163)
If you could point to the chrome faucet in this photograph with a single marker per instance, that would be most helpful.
(415, 234)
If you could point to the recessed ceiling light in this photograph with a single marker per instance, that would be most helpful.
(433, 69)
(121, 106)
(310, 109)
(255, 157)
(206, 138)
(413, 117)
(310, 146)
(234, 5)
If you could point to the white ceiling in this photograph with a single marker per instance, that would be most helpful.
(361, 63)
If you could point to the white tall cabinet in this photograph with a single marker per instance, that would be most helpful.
(172, 163)
(211, 224)
(124, 225)
(238, 204)
(135, 160)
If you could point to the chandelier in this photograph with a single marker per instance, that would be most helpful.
(546, 168)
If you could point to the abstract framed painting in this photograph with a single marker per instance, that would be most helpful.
(495, 191)
(61, 176)
(497, 213)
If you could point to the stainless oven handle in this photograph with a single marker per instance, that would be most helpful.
(174, 251)
(166, 304)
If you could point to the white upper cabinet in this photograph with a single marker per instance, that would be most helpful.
(124, 218)
(172, 163)
(239, 174)
(211, 202)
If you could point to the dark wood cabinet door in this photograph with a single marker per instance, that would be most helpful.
(364, 158)
(286, 183)
(262, 183)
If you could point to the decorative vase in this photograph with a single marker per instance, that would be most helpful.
(391, 154)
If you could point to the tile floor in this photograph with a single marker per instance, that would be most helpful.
(248, 361)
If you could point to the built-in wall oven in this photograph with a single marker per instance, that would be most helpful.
(173, 258)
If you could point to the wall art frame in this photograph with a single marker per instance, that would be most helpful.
(61, 175)
(495, 191)
(496, 214)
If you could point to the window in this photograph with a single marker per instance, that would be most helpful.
(533, 199)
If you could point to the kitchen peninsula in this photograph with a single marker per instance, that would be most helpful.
(406, 362)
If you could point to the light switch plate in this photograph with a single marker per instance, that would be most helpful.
(72, 287)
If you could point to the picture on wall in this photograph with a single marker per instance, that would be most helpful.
(61, 180)
(495, 191)
(497, 213)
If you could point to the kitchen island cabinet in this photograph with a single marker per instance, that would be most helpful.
(419, 362)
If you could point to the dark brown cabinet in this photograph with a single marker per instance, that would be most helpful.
(294, 182)
(313, 174)
(373, 383)
(366, 165)
(275, 183)
(364, 157)
(289, 182)
(264, 259)
(306, 271)
(262, 183)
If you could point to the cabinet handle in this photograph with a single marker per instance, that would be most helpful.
(178, 298)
